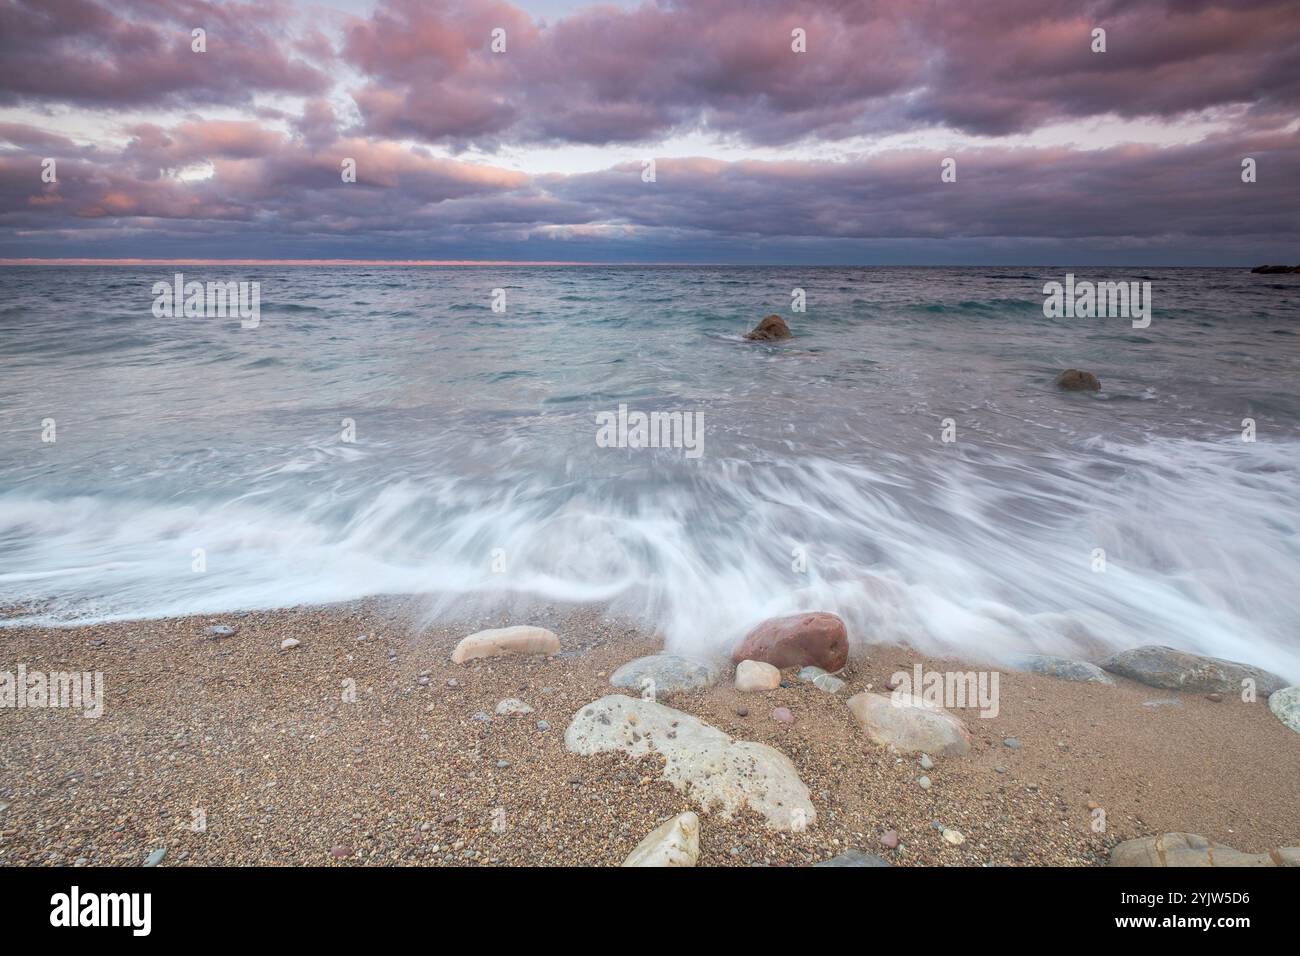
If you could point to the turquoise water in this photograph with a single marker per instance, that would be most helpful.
(476, 474)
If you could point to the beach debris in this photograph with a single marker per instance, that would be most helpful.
(504, 641)
(289, 643)
(663, 674)
(906, 722)
(854, 858)
(757, 676)
(1285, 705)
(1192, 849)
(772, 328)
(782, 715)
(819, 638)
(1171, 669)
(675, 842)
(719, 773)
(512, 706)
(1073, 380)
(1062, 667)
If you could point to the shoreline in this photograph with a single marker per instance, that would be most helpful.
(283, 771)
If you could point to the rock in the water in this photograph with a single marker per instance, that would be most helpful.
(908, 723)
(1073, 380)
(663, 674)
(819, 639)
(757, 676)
(289, 643)
(854, 858)
(1285, 705)
(719, 773)
(511, 707)
(1158, 666)
(770, 329)
(1192, 849)
(1062, 667)
(674, 842)
(502, 641)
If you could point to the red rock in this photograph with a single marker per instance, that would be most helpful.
(889, 839)
(819, 639)
(339, 852)
(783, 715)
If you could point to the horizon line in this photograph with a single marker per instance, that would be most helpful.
(133, 261)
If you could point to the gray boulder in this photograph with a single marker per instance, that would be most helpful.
(666, 673)
(1285, 705)
(1158, 666)
(1061, 667)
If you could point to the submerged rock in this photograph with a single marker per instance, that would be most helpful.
(819, 638)
(674, 842)
(907, 723)
(1062, 667)
(770, 329)
(1285, 705)
(1073, 380)
(718, 772)
(757, 676)
(1158, 666)
(1192, 849)
(667, 674)
(504, 641)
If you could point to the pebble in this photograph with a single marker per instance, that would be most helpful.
(926, 762)
(512, 706)
(218, 631)
(289, 643)
(543, 725)
(889, 839)
(1217, 698)
(783, 715)
(503, 764)
(954, 837)
(156, 857)
(742, 711)
(340, 852)
(923, 782)
(1000, 769)
(1012, 742)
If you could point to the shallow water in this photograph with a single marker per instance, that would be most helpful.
(476, 431)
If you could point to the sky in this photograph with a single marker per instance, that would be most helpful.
(778, 132)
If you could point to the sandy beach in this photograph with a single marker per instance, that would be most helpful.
(234, 751)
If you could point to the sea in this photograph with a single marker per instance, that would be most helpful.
(904, 460)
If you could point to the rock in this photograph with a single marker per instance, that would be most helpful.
(819, 639)
(1285, 705)
(1012, 742)
(955, 837)
(926, 762)
(854, 858)
(757, 676)
(770, 329)
(1072, 380)
(783, 715)
(1163, 702)
(742, 711)
(923, 783)
(504, 641)
(156, 857)
(674, 842)
(220, 632)
(289, 643)
(503, 764)
(829, 683)
(511, 707)
(1158, 666)
(889, 839)
(481, 716)
(908, 723)
(718, 772)
(667, 673)
(341, 852)
(1191, 849)
(1061, 667)
(543, 725)
(1218, 698)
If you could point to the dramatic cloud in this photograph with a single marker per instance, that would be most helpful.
(241, 148)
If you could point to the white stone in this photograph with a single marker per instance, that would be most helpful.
(502, 641)
(905, 721)
(757, 676)
(674, 842)
(289, 643)
(719, 773)
(512, 706)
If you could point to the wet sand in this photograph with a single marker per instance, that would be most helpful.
(260, 745)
